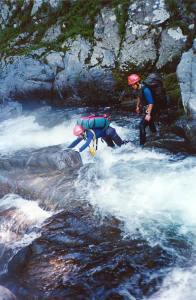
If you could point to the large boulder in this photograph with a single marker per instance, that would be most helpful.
(139, 46)
(106, 34)
(78, 82)
(173, 42)
(36, 173)
(187, 79)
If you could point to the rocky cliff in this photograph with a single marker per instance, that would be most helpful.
(74, 50)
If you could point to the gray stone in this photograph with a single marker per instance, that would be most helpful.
(55, 61)
(147, 12)
(25, 78)
(74, 67)
(172, 44)
(5, 14)
(54, 4)
(36, 5)
(5, 294)
(52, 33)
(186, 72)
(140, 53)
(107, 37)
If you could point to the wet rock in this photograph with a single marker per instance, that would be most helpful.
(98, 256)
(5, 294)
(9, 109)
(20, 260)
(41, 160)
(170, 141)
(35, 173)
(172, 44)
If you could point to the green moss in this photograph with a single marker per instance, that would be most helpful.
(172, 6)
(121, 11)
(173, 89)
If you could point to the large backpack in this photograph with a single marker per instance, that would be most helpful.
(155, 83)
(94, 122)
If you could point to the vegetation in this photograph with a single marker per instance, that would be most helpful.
(173, 89)
(76, 18)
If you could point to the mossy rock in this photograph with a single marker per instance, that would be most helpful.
(173, 90)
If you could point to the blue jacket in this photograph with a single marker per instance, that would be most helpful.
(148, 97)
(89, 138)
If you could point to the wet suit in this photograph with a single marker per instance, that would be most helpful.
(109, 135)
(148, 99)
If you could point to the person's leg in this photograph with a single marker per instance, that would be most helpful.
(108, 141)
(111, 132)
(152, 126)
(142, 128)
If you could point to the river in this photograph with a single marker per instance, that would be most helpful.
(133, 213)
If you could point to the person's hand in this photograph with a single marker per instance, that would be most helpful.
(137, 110)
(77, 149)
(147, 117)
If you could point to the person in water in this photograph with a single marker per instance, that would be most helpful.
(144, 100)
(109, 135)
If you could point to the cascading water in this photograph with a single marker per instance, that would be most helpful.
(142, 244)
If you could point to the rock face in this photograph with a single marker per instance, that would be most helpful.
(172, 44)
(187, 80)
(107, 38)
(80, 69)
(139, 46)
(26, 78)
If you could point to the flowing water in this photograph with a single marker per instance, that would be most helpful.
(144, 201)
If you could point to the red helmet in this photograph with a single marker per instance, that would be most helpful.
(133, 78)
(78, 129)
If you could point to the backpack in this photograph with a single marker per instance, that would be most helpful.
(95, 122)
(155, 83)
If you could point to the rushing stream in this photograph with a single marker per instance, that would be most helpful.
(127, 229)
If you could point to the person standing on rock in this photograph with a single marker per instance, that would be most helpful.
(151, 99)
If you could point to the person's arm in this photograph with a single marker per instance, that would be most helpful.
(150, 103)
(75, 143)
(89, 139)
(138, 105)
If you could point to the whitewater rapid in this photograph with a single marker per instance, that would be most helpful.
(150, 190)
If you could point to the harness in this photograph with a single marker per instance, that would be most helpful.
(92, 148)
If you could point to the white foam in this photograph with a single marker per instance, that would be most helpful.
(19, 215)
(24, 132)
(178, 285)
